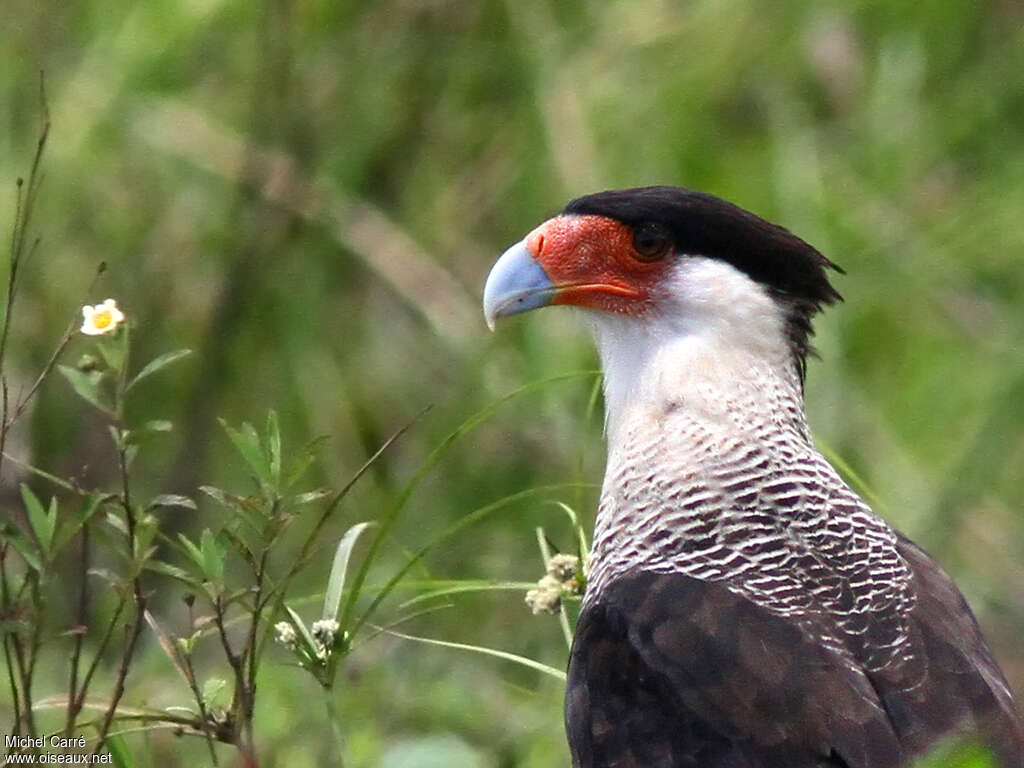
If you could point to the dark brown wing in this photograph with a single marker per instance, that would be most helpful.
(959, 686)
(668, 671)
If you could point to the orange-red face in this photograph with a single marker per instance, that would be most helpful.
(583, 260)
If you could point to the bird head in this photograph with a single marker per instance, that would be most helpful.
(666, 260)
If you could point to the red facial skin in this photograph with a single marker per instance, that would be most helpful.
(592, 262)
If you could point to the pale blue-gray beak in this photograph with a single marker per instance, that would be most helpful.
(517, 283)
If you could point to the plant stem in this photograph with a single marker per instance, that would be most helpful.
(242, 698)
(131, 640)
(33, 653)
(79, 630)
(135, 629)
(252, 647)
(331, 702)
(104, 642)
(5, 606)
(204, 716)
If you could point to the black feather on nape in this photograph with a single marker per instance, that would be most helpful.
(794, 272)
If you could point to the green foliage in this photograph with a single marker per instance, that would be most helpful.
(958, 753)
(309, 197)
(339, 570)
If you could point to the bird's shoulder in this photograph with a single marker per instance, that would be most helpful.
(670, 670)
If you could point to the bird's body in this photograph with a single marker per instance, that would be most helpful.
(744, 608)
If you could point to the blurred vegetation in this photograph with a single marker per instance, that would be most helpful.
(310, 194)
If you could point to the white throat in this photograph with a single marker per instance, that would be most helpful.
(713, 343)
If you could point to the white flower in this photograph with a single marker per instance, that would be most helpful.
(324, 632)
(102, 318)
(286, 634)
(563, 567)
(547, 597)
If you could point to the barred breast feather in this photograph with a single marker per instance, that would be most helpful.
(746, 608)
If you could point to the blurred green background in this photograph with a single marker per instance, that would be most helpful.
(310, 195)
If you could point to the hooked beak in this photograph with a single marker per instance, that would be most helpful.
(517, 283)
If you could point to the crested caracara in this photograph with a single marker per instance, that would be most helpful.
(744, 607)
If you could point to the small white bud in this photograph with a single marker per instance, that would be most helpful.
(286, 634)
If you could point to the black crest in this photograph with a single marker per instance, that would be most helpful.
(793, 271)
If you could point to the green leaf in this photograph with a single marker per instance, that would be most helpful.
(523, 660)
(88, 386)
(311, 496)
(336, 581)
(159, 425)
(157, 364)
(212, 556)
(211, 689)
(25, 547)
(172, 500)
(115, 581)
(117, 523)
(113, 349)
(43, 521)
(247, 443)
(300, 626)
(119, 752)
(274, 448)
(219, 495)
(300, 465)
(193, 551)
(73, 523)
(174, 572)
(112, 538)
(145, 530)
(237, 539)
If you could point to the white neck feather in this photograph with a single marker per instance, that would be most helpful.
(712, 339)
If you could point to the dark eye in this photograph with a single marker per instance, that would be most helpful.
(651, 242)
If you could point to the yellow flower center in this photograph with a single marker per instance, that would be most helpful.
(103, 318)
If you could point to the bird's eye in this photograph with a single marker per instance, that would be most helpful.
(650, 242)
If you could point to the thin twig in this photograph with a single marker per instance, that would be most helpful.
(6, 607)
(243, 736)
(131, 639)
(257, 611)
(22, 219)
(140, 600)
(204, 715)
(80, 629)
(33, 652)
(65, 339)
(100, 649)
(19, 658)
(314, 535)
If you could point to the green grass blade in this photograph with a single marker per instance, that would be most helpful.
(119, 752)
(336, 581)
(157, 364)
(389, 519)
(470, 586)
(523, 660)
(473, 517)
